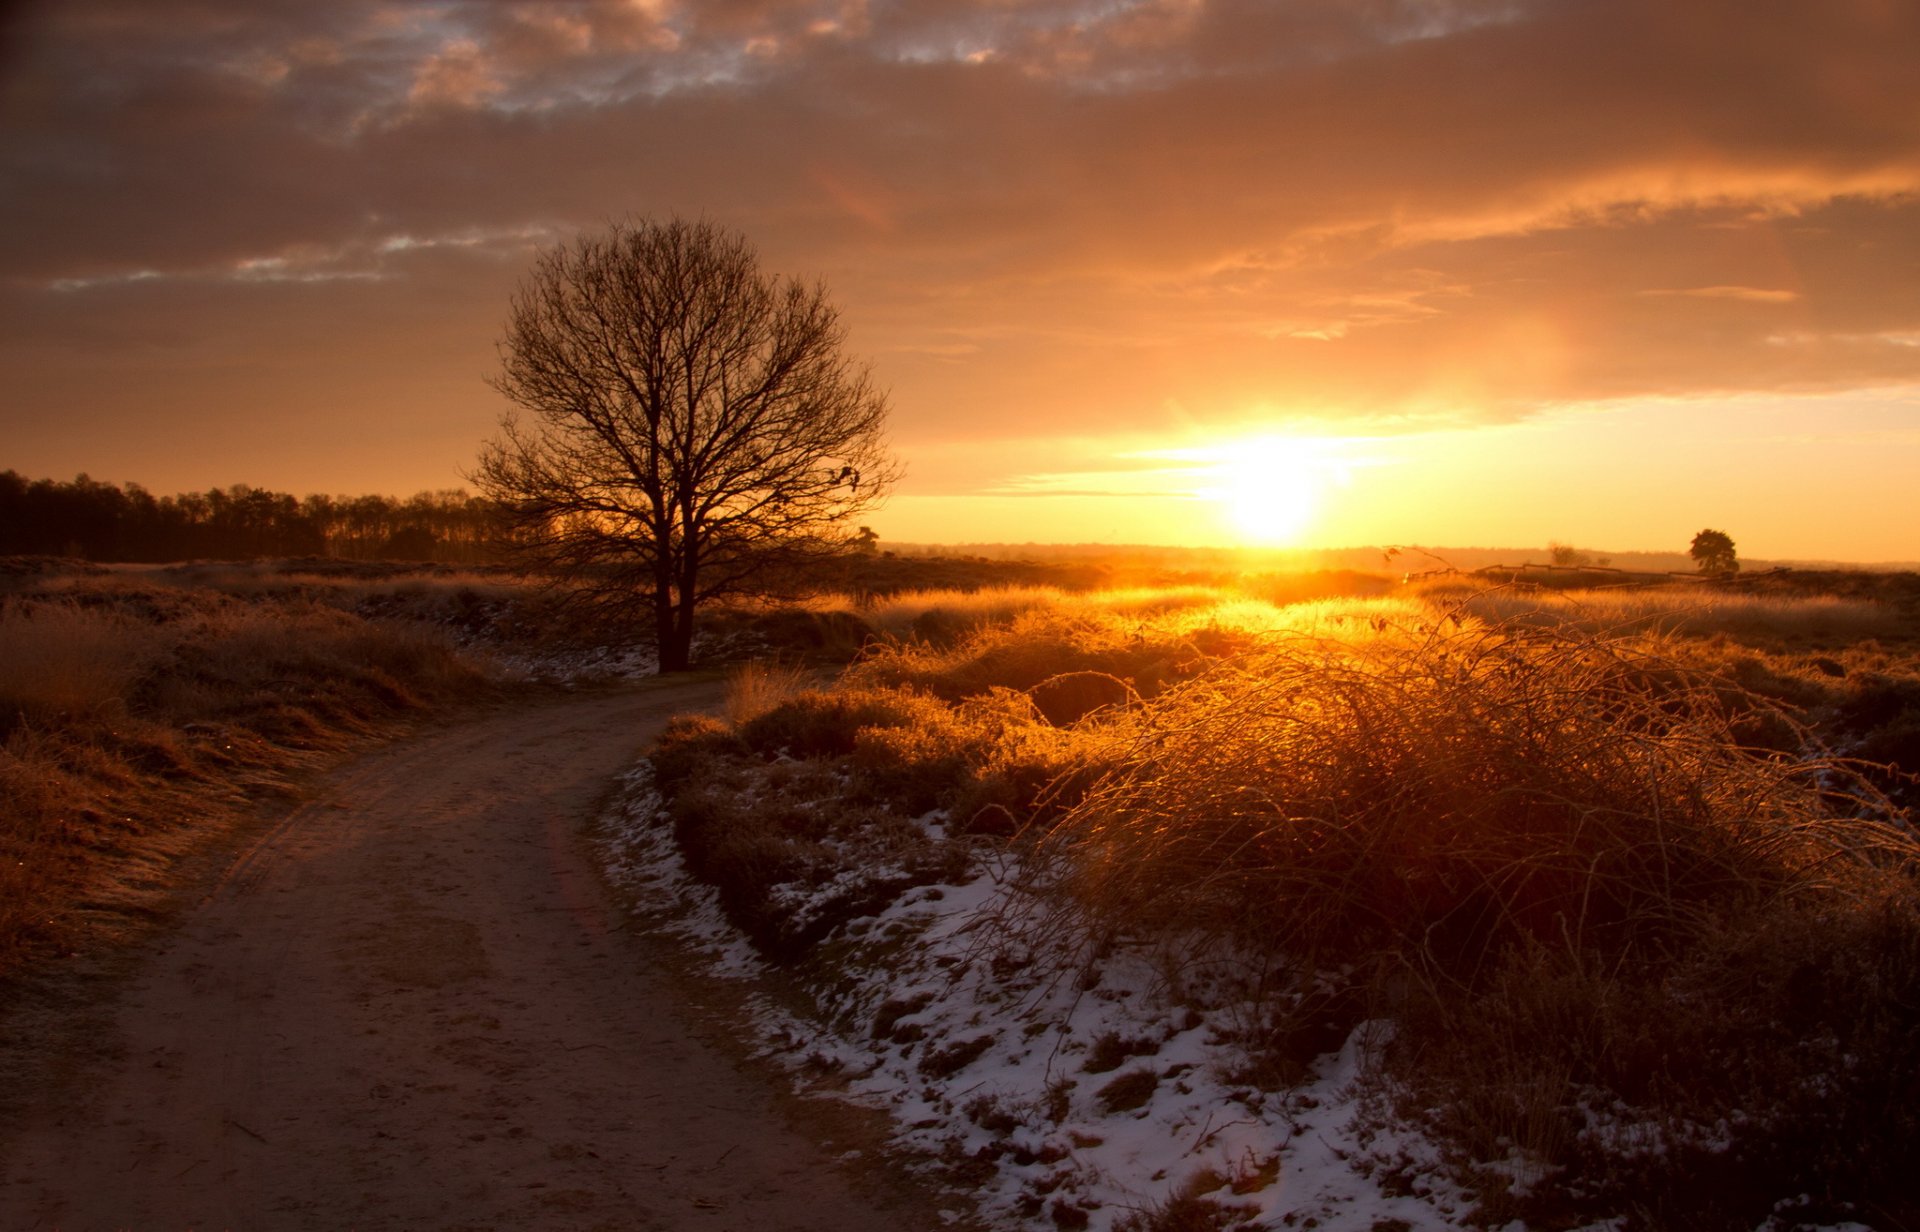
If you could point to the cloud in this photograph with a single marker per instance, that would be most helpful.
(1751, 295)
(1361, 208)
(458, 75)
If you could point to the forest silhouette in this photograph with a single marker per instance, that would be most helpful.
(103, 522)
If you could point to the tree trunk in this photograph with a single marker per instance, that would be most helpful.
(676, 651)
(672, 649)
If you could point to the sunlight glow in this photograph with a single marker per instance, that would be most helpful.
(1271, 488)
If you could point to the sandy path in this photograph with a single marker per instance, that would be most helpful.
(407, 1006)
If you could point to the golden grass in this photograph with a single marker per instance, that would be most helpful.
(135, 724)
(1695, 611)
(1455, 786)
(940, 615)
(1584, 847)
(754, 688)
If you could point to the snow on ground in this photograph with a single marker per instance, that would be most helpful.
(1065, 1094)
(611, 664)
(581, 665)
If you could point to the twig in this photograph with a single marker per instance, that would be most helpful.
(248, 1132)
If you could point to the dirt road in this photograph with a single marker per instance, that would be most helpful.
(408, 1006)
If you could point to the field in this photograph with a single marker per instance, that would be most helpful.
(1144, 899)
(146, 708)
(1332, 901)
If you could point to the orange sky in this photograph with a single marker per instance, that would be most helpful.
(1474, 272)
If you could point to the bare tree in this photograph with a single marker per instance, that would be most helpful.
(695, 430)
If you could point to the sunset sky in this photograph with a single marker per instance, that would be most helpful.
(1467, 272)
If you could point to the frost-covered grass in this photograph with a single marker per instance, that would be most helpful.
(1057, 1091)
(1372, 912)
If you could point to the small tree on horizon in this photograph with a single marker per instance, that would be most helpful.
(1566, 554)
(1712, 551)
(695, 430)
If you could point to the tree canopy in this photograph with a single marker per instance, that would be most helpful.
(1712, 551)
(126, 522)
(694, 427)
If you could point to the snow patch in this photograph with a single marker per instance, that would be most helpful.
(982, 1040)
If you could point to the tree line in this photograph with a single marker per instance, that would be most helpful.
(107, 522)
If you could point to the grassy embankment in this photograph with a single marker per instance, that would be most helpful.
(142, 710)
(1648, 943)
(143, 707)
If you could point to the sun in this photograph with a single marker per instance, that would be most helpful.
(1270, 488)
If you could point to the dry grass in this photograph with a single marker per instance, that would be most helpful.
(940, 616)
(466, 602)
(1696, 611)
(58, 662)
(1585, 847)
(1455, 787)
(757, 687)
(134, 722)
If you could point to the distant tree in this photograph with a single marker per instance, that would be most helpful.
(100, 521)
(1566, 554)
(866, 542)
(1712, 551)
(409, 543)
(696, 430)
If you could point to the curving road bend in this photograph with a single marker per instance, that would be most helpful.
(408, 1006)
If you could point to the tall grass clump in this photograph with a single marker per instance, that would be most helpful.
(1553, 860)
(756, 687)
(1458, 786)
(941, 616)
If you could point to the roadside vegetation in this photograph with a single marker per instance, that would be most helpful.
(1611, 892)
(144, 708)
(142, 711)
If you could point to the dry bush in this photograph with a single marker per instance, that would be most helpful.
(942, 616)
(829, 724)
(1634, 928)
(1541, 752)
(772, 810)
(1451, 787)
(757, 687)
(694, 746)
(816, 791)
(60, 661)
(792, 858)
(1554, 859)
(1776, 1054)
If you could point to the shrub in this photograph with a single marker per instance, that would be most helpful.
(820, 724)
(757, 687)
(1448, 788)
(1127, 1091)
(1776, 1054)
